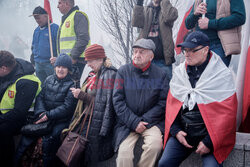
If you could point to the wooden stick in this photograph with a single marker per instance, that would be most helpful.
(50, 39)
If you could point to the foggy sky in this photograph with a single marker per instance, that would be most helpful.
(14, 21)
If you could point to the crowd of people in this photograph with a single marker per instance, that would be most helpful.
(176, 111)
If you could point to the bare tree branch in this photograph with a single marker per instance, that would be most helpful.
(115, 19)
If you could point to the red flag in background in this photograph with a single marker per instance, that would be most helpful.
(243, 77)
(245, 126)
(47, 8)
(182, 32)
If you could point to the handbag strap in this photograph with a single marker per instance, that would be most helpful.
(90, 118)
(85, 118)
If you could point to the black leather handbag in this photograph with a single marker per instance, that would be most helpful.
(37, 130)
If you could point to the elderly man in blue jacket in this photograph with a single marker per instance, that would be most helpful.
(139, 100)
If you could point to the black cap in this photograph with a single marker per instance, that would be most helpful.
(195, 39)
(39, 10)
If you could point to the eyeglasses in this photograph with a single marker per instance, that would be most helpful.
(193, 51)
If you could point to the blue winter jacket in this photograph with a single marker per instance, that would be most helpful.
(40, 43)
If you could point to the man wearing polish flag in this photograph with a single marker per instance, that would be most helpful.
(201, 106)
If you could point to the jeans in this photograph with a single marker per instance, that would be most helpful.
(162, 65)
(175, 153)
(43, 70)
(218, 49)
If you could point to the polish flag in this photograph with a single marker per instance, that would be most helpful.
(47, 8)
(242, 80)
(182, 32)
(245, 126)
(179, 30)
(215, 95)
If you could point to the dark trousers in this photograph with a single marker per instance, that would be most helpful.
(7, 149)
(50, 145)
(175, 153)
(77, 70)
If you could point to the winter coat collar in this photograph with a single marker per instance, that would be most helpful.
(145, 68)
(140, 71)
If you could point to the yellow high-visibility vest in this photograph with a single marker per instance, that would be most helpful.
(8, 99)
(68, 35)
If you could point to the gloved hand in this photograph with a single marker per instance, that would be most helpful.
(140, 2)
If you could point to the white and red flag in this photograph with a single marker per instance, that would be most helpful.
(182, 32)
(47, 8)
(245, 126)
(179, 30)
(215, 95)
(243, 76)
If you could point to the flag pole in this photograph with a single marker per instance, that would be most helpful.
(203, 15)
(50, 39)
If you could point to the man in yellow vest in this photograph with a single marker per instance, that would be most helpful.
(73, 35)
(18, 89)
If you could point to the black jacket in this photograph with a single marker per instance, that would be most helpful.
(12, 121)
(103, 119)
(139, 96)
(56, 99)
